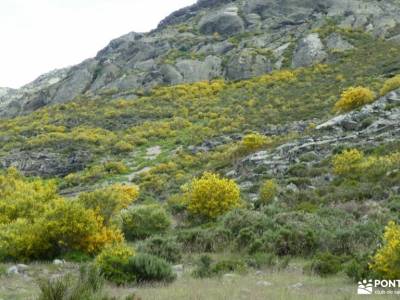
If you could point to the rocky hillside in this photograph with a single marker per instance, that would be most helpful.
(212, 39)
(235, 137)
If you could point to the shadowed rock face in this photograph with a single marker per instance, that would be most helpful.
(210, 39)
(46, 164)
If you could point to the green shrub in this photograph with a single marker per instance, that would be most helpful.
(294, 241)
(325, 264)
(239, 219)
(206, 267)
(3, 271)
(112, 262)
(150, 268)
(260, 260)
(77, 256)
(204, 239)
(228, 266)
(358, 268)
(245, 238)
(164, 247)
(394, 203)
(203, 268)
(142, 221)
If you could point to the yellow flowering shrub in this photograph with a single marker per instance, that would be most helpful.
(386, 261)
(64, 226)
(353, 162)
(110, 200)
(347, 162)
(115, 167)
(211, 196)
(390, 85)
(253, 142)
(21, 198)
(123, 146)
(36, 223)
(74, 227)
(354, 97)
(23, 240)
(268, 191)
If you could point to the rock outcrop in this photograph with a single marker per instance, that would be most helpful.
(370, 126)
(46, 164)
(309, 51)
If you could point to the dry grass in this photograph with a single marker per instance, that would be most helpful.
(237, 287)
(246, 287)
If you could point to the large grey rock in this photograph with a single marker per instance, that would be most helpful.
(194, 70)
(336, 43)
(247, 64)
(170, 74)
(12, 270)
(225, 22)
(77, 81)
(309, 51)
(109, 73)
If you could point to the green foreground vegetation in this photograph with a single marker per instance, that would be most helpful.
(289, 283)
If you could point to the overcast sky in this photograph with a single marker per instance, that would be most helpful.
(40, 35)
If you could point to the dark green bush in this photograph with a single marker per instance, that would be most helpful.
(245, 238)
(149, 268)
(164, 247)
(77, 256)
(228, 266)
(203, 268)
(116, 271)
(142, 221)
(394, 204)
(294, 241)
(238, 219)
(204, 239)
(206, 267)
(260, 260)
(358, 268)
(112, 262)
(325, 264)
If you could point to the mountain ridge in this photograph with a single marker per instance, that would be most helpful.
(210, 39)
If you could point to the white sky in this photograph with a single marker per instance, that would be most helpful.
(38, 36)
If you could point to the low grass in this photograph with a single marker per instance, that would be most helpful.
(235, 287)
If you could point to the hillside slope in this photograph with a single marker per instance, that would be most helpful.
(211, 39)
(239, 140)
